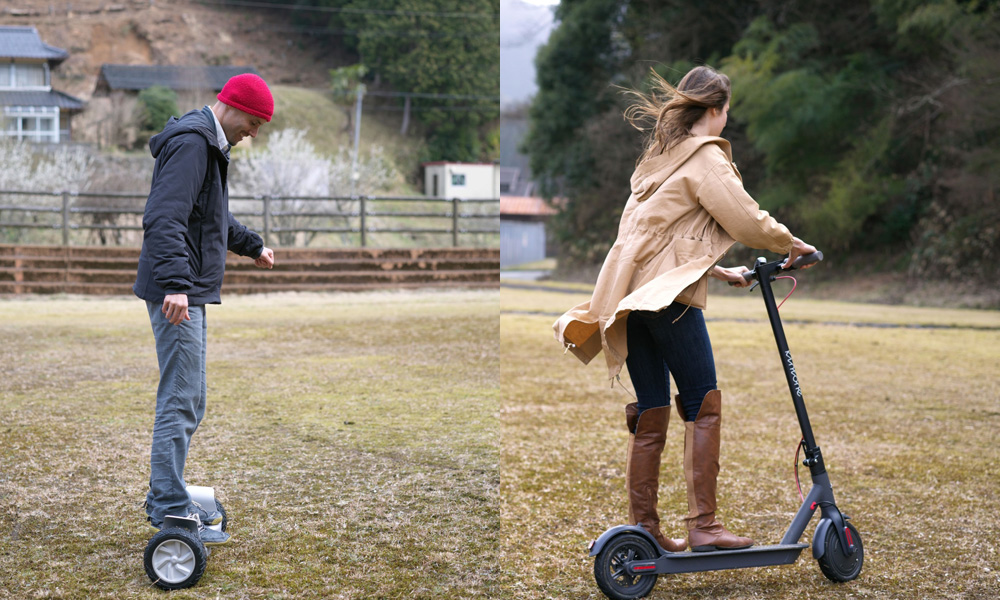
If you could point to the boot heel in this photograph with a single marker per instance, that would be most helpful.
(703, 548)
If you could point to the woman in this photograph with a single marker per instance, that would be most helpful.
(687, 208)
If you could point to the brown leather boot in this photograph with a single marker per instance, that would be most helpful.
(701, 469)
(648, 433)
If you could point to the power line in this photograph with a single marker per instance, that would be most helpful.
(441, 108)
(316, 31)
(438, 96)
(365, 11)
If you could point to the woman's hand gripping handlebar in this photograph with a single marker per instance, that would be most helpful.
(803, 261)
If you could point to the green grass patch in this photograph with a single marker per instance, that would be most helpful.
(353, 439)
(907, 419)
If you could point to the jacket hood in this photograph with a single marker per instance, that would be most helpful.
(196, 121)
(649, 175)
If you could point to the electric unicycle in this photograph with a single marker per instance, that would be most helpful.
(175, 557)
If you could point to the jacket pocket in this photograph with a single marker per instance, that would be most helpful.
(678, 252)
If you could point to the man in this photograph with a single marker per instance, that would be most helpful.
(187, 230)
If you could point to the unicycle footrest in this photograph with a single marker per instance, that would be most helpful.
(183, 522)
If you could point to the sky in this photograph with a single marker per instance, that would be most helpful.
(524, 26)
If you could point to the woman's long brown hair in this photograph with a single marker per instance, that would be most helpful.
(675, 110)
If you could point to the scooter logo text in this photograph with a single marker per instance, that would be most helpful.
(791, 370)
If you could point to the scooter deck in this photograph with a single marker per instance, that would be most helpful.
(690, 562)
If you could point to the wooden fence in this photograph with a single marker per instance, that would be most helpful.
(114, 219)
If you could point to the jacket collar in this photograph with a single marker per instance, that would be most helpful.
(649, 175)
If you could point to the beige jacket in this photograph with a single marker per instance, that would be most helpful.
(687, 208)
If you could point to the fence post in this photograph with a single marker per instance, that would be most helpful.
(364, 224)
(65, 217)
(267, 219)
(454, 222)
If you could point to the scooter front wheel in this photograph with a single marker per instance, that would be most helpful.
(836, 563)
(609, 567)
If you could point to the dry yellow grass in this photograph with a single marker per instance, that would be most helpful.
(907, 419)
(352, 439)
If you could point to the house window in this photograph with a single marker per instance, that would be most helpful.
(458, 179)
(5, 76)
(434, 192)
(29, 76)
(32, 123)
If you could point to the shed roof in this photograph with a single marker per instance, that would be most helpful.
(24, 42)
(525, 206)
(32, 98)
(175, 77)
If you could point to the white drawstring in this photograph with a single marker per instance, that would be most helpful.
(682, 314)
(618, 378)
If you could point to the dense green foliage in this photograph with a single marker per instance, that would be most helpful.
(446, 53)
(866, 126)
(155, 106)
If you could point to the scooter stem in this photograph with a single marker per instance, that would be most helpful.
(765, 274)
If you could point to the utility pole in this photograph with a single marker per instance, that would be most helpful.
(406, 116)
(357, 138)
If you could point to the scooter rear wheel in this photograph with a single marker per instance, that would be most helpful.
(835, 563)
(609, 567)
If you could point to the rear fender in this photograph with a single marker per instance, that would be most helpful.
(599, 543)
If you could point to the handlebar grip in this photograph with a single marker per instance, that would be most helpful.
(807, 259)
(747, 276)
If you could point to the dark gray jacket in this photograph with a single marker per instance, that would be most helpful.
(187, 224)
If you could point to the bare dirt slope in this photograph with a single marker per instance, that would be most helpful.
(178, 32)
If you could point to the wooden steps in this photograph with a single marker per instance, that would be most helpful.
(111, 270)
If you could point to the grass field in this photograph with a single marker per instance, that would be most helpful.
(384, 446)
(908, 419)
(352, 438)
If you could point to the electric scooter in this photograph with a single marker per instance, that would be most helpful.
(175, 558)
(629, 560)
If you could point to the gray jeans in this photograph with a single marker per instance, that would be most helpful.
(180, 407)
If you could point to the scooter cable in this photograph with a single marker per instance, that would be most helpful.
(795, 284)
(798, 484)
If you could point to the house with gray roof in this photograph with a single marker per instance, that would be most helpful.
(135, 78)
(29, 108)
(115, 99)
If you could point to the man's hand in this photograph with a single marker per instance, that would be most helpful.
(266, 259)
(175, 306)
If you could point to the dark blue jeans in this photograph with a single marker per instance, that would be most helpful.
(658, 347)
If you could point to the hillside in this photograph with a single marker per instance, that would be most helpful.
(187, 32)
(181, 32)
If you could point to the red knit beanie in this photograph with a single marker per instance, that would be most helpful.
(249, 93)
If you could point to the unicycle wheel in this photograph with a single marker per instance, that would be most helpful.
(225, 517)
(835, 563)
(175, 558)
(609, 567)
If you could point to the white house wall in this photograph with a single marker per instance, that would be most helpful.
(462, 180)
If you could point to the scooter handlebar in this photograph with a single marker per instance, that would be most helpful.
(807, 259)
(802, 261)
